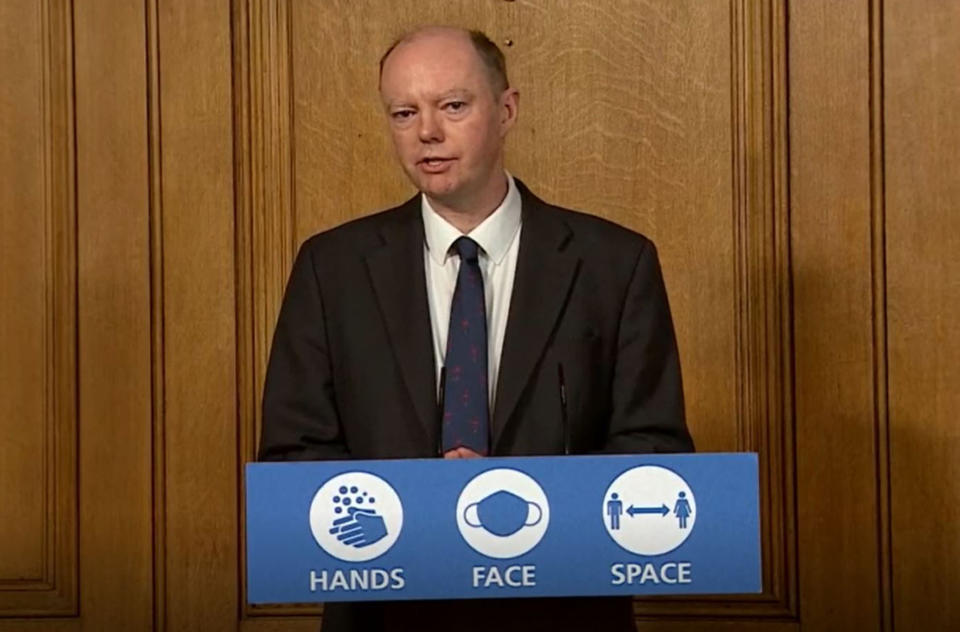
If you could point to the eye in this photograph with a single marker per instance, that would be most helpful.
(401, 115)
(455, 106)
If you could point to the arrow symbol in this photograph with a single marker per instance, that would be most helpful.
(663, 510)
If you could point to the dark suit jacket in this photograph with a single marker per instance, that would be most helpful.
(352, 375)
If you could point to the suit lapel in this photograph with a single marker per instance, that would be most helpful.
(545, 273)
(396, 270)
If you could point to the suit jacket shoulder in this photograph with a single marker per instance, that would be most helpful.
(363, 234)
(610, 248)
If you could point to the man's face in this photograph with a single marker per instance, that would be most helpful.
(448, 126)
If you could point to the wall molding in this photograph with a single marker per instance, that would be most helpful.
(878, 275)
(266, 214)
(55, 592)
(157, 313)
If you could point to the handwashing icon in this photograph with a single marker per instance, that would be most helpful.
(502, 513)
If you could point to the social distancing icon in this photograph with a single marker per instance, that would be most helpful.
(649, 510)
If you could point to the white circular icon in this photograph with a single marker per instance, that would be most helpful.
(649, 510)
(356, 516)
(502, 513)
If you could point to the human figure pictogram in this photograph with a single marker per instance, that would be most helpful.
(682, 509)
(614, 509)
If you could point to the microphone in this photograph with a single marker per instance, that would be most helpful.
(565, 424)
(440, 404)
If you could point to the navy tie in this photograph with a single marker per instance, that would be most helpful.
(465, 403)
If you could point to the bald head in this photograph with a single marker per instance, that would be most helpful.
(488, 53)
(449, 111)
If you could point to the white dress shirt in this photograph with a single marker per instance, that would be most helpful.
(499, 239)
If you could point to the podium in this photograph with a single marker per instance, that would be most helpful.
(502, 527)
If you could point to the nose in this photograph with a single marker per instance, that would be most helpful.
(430, 130)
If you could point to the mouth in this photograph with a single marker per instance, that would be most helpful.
(434, 164)
(433, 161)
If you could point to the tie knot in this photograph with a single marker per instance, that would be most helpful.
(466, 248)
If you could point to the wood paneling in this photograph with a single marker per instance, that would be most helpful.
(199, 468)
(831, 229)
(38, 321)
(265, 218)
(161, 161)
(264, 185)
(922, 113)
(22, 283)
(158, 395)
(762, 272)
(114, 328)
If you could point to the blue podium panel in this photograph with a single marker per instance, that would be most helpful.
(502, 527)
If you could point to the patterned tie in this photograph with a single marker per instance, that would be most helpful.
(465, 404)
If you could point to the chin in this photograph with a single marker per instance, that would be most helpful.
(438, 188)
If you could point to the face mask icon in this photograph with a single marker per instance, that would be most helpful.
(502, 513)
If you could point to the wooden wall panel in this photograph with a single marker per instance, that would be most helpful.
(199, 467)
(265, 240)
(264, 187)
(114, 324)
(38, 369)
(23, 284)
(832, 218)
(922, 132)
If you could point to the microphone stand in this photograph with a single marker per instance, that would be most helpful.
(440, 403)
(563, 410)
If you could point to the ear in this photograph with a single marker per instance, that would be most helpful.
(509, 109)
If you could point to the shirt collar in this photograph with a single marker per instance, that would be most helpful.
(494, 234)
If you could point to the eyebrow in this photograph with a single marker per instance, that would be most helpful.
(456, 92)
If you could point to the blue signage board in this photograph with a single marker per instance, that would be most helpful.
(502, 527)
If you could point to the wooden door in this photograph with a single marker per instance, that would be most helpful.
(160, 161)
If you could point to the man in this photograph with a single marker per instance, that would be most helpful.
(477, 275)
